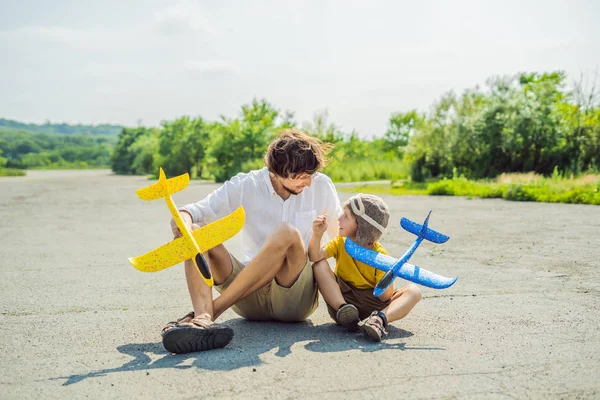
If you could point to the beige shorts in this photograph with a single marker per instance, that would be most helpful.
(274, 302)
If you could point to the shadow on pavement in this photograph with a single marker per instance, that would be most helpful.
(251, 339)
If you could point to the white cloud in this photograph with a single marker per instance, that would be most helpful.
(183, 18)
(154, 59)
(213, 67)
(71, 38)
(56, 34)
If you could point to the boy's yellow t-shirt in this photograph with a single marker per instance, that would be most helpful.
(355, 273)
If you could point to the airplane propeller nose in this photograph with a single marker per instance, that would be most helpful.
(384, 283)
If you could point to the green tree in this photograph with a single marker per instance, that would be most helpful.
(225, 150)
(258, 123)
(323, 129)
(183, 145)
(145, 151)
(240, 144)
(401, 127)
(582, 124)
(2, 160)
(429, 149)
(123, 156)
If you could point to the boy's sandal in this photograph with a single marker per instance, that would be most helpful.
(347, 316)
(186, 318)
(373, 326)
(198, 335)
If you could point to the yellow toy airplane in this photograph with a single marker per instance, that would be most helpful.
(191, 244)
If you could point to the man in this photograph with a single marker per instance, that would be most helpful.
(273, 280)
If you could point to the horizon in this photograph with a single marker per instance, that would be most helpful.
(143, 62)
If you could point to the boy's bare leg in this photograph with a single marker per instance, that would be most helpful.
(282, 258)
(327, 284)
(402, 302)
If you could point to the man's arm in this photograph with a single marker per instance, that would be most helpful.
(187, 220)
(218, 204)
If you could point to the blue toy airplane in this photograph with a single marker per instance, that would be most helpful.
(400, 267)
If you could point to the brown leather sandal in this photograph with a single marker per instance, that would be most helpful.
(374, 326)
(185, 319)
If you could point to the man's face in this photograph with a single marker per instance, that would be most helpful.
(297, 184)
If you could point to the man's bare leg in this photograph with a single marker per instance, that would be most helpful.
(200, 293)
(199, 332)
(219, 262)
(282, 258)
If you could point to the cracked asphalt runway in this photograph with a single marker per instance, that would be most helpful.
(77, 320)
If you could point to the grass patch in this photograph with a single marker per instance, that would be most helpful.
(12, 172)
(516, 187)
(75, 165)
(366, 170)
(398, 188)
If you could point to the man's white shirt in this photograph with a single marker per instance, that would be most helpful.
(265, 210)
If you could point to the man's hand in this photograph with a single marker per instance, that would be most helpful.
(187, 220)
(320, 225)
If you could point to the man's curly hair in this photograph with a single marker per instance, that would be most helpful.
(294, 153)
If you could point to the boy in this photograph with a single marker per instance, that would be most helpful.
(348, 291)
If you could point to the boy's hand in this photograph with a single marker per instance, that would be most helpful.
(320, 225)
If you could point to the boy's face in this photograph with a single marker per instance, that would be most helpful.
(348, 226)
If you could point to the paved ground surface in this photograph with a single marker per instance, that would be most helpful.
(76, 320)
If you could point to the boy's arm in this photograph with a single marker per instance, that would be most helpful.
(315, 251)
(333, 210)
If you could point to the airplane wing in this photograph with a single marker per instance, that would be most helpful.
(407, 271)
(179, 250)
(430, 234)
(423, 277)
(373, 258)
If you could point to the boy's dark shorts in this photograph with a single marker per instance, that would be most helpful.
(363, 299)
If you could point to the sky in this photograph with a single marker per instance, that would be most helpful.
(134, 62)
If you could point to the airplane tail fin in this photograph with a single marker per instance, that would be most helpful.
(164, 187)
(423, 230)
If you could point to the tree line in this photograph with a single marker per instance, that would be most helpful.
(24, 150)
(529, 122)
(221, 149)
(62, 128)
(524, 123)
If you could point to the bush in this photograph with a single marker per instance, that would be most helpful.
(11, 172)
(441, 188)
(516, 187)
(519, 193)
